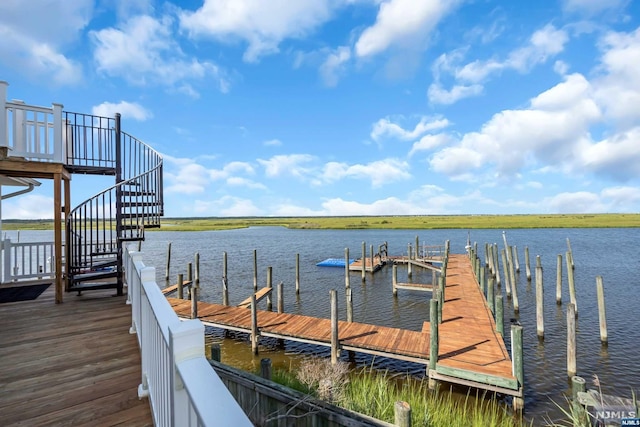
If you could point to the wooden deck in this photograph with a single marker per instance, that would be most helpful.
(470, 351)
(378, 263)
(70, 364)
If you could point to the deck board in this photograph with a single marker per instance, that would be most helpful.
(70, 364)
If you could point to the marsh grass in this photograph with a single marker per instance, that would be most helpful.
(374, 393)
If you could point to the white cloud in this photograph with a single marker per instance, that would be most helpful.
(386, 127)
(236, 181)
(402, 23)
(617, 157)
(333, 66)
(287, 165)
(143, 51)
(438, 95)
(577, 202)
(226, 206)
(30, 206)
(263, 25)
(126, 109)
(379, 172)
(429, 142)
(34, 42)
(272, 143)
(592, 7)
(231, 169)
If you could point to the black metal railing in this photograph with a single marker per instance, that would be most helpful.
(97, 227)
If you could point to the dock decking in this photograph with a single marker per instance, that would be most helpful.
(470, 351)
(70, 364)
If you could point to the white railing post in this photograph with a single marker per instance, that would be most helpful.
(186, 341)
(147, 274)
(4, 131)
(6, 274)
(58, 143)
(18, 128)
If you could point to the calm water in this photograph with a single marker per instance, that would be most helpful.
(611, 253)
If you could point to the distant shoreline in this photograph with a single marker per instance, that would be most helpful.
(408, 222)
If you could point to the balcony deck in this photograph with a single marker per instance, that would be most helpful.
(70, 364)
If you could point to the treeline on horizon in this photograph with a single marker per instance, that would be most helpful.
(628, 220)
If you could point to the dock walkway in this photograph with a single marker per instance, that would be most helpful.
(470, 351)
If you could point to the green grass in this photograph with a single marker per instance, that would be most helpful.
(374, 394)
(423, 222)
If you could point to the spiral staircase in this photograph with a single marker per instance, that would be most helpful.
(97, 228)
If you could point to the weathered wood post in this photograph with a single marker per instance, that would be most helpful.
(335, 350)
(481, 279)
(409, 265)
(490, 294)
(570, 255)
(601, 310)
(417, 247)
(265, 368)
(402, 414)
(372, 257)
(409, 251)
(347, 283)
(559, 280)
(349, 304)
(497, 264)
(255, 270)
(514, 289)
(505, 269)
(225, 283)
(166, 276)
(441, 285)
(518, 362)
(527, 265)
(194, 302)
(254, 325)
(515, 259)
(297, 274)
(579, 414)
(189, 279)
(270, 286)
(572, 283)
(394, 279)
(280, 297)
(500, 314)
(539, 303)
(180, 286)
(571, 340)
(433, 340)
(364, 261)
(197, 262)
(214, 351)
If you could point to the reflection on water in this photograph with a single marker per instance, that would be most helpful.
(611, 253)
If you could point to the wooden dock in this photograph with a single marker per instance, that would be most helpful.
(470, 351)
(369, 265)
(70, 364)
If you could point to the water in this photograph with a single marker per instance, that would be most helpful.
(610, 253)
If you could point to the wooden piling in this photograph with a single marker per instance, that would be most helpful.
(518, 362)
(500, 314)
(255, 270)
(570, 255)
(214, 352)
(180, 286)
(280, 297)
(441, 295)
(505, 269)
(527, 265)
(189, 279)
(497, 264)
(601, 310)
(572, 283)
(334, 327)
(515, 259)
(433, 340)
(559, 280)
(194, 302)
(254, 325)
(539, 303)
(270, 286)
(371, 254)
(394, 279)
(297, 274)
(265, 368)
(197, 274)
(490, 295)
(347, 283)
(166, 276)
(481, 279)
(579, 414)
(225, 283)
(364, 261)
(571, 340)
(417, 247)
(402, 414)
(349, 299)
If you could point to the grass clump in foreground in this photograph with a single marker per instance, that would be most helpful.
(374, 393)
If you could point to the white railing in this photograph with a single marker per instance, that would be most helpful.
(31, 132)
(31, 260)
(182, 387)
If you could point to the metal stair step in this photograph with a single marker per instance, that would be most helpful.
(94, 275)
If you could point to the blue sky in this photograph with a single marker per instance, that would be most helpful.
(348, 107)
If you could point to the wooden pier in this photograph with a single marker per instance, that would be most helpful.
(70, 364)
(471, 352)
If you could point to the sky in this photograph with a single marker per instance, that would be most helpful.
(347, 107)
